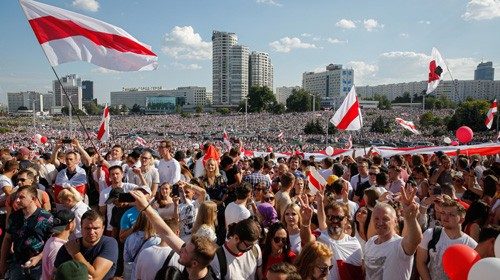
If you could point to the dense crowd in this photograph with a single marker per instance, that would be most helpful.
(175, 211)
(259, 131)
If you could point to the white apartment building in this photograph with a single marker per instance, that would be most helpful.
(261, 70)
(73, 86)
(282, 93)
(221, 46)
(332, 84)
(30, 99)
(191, 96)
(238, 74)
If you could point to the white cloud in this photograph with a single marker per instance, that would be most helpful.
(184, 43)
(424, 22)
(89, 5)
(404, 35)
(462, 68)
(101, 70)
(482, 10)
(270, 3)
(337, 41)
(287, 44)
(192, 66)
(306, 34)
(363, 72)
(372, 24)
(345, 24)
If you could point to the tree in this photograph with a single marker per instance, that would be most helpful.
(427, 119)
(380, 126)
(136, 109)
(223, 111)
(198, 109)
(92, 108)
(332, 129)
(260, 99)
(300, 101)
(278, 108)
(471, 113)
(403, 99)
(383, 102)
(313, 127)
(74, 112)
(22, 108)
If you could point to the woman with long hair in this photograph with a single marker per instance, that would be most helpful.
(421, 176)
(292, 221)
(213, 181)
(314, 261)
(476, 218)
(206, 220)
(164, 204)
(143, 236)
(276, 248)
(362, 221)
(298, 188)
(72, 200)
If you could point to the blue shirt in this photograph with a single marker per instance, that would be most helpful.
(129, 218)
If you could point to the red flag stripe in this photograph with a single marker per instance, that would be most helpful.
(314, 182)
(49, 28)
(350, 116)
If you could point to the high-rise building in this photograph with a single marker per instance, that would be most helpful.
(73, 86)
(332, 84)
(261, 70)
(238, 74)
(187, 97)
(282, 93)
(221, 51)
(29, 100)
(485, 72)
(87, 90)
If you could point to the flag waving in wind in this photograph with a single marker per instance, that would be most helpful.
(408, 125)
(437, 69)
(103, 133)
(491, 114)
(348, 116)
(66, 36)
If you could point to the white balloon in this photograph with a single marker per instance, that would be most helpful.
(37, 139)
(447, 140)
(329, 151)
(497, 247)
(485, 269)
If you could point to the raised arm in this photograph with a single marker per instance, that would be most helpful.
(413, 234)
(86, 159)
(306, 213)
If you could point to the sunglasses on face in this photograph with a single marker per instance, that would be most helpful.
(270, 198)
(22, 179)
(334, 218)
(277, 239)
(324, 269)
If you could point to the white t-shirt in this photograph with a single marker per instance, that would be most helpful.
(4, 181)
(49, 254)
(151, 176)
(151, 259)
(170, 171)
(295, 243)
(235, 213)
(103, 196)
(387, 260)
(242, 266)
(345, 250)
(436, 270)
(79, 209)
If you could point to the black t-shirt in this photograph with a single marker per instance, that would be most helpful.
(360, 190)
(231, 174)
(210, 275)
(106, 248)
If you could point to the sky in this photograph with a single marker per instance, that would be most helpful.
(385, 41)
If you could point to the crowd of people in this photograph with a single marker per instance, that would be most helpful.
(260, 131)
(182, 212)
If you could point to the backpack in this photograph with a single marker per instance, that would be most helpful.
(436, 234)
(223, 261)
(168, 272)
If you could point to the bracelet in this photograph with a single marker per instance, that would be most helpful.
(306, 226)
(149, 204)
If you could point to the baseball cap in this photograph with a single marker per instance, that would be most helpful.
(113, 195)
(73, 270)
(61, 219)
(144, 188)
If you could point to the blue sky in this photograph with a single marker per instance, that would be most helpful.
(384, 41)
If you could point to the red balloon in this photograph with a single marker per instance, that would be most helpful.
(270, 149)
(43, 140)
(464, 134)
(458, 259)
(454, 143)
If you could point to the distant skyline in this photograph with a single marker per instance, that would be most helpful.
(383, 41)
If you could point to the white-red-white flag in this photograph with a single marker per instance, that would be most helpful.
(103, 133)
(225, 139)
(140, 141)
(281, 136)
(437, 69)
(66, 36)
(316, 181)
(348, 144)
(409, 125)
(491, 114)
(348, 116)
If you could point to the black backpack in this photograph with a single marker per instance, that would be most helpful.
(221, 256)
(168, 272)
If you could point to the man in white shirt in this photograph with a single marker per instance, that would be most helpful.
(358, 179)
(168, 168)
(452, 216)
(388, 255)
(237, 210)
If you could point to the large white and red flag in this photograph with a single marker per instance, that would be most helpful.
(348, 116)
(409, 125)
(66, 36)
(316, 181)
(437, 69)
(103, 133)
(491, 114)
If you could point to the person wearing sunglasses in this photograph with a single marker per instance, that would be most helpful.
(314, 261)
(276, 248)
